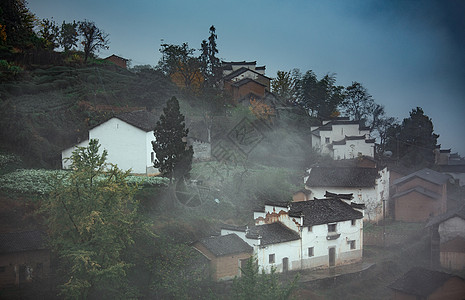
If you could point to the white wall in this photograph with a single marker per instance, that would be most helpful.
(129, 147)
(291, 250)
(352, 149)
(66, 154)
(451, 228)
(316, 237)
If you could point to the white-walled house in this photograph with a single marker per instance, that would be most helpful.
(311, 234)
(342, 138)
(369, 186)
(128, 140)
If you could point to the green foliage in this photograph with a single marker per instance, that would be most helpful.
(173, 157)
(179, 272)
(320, 97)
(255, 285)
(93, 37)
(68, 35)
(358, 103)
(284, 86)
(91, 225)
(49, 33)
(9, 71)
(413, 141)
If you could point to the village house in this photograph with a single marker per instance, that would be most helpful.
(448, 239)
(24, 260)
(361, 177)
(117, 60)
(451, 164)
(341, 138)
(319, 233)
(226, 255)
(419, 195)
(245, 80)
(421, 283)
(127, 138)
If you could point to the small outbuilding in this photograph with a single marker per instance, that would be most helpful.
(227, 255)
(421, 283)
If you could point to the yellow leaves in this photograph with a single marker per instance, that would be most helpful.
(261, 110)
(3, 32)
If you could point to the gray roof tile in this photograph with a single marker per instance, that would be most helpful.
(226, 244)
(342, 177)
(420, 281)
(22, 241)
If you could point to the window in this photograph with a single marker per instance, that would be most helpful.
(310, 228)
(352, 245)
(271, 259)
(310, 252)
(331, 227)
(327, 140)
(152, 156)
(353, 222)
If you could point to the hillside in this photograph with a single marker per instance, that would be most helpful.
(49, 108)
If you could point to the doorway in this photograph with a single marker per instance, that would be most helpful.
(285, 264)
(332, 257)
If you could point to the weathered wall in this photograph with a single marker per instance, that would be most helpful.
(38, 262)
(416, 207)
(453, 288)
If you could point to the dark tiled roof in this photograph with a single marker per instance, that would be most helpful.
(226, 244)
(233, 227)
(420, 282)
(240, 71)
(260, 68)
(141, 119)
(113, 55)
(420, 190)
(239, 62)
(460, 212)
(425, 174)
(22, 241)
(323, 211)
(342, 177)
(273, 233)
(245, 81)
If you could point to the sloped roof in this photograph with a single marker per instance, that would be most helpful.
(22, 241)
(425, 174)
(460, 212)
(273, 233)
(341, 121)
(323, 211)
(113, 55)
(245, 81)
(141, 119)
(342, 177)
(240, 71)
(226, 244)
(420, 190)
(420, 281)
(239, 62)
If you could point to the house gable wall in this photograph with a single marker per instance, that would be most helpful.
(453, 288)
(416, 207)
(451, 228)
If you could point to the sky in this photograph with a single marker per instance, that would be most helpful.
(407, 54)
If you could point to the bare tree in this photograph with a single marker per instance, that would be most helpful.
(94, 39)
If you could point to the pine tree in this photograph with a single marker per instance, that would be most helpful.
(173, 156)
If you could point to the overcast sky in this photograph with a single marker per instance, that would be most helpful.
(406, 53)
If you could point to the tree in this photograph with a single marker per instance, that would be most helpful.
(68, 35)
(255, 285)
(357, 103)
(319, 98)
(413, 142)
(211, 66)
(283, 86)
(173, 156)
(92, 221)
(93, 38)
(178, 63)
(49, 32)
(17, 23)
